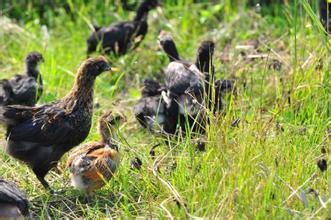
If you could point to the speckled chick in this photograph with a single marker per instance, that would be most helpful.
(92, 164)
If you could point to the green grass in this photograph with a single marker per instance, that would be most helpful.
(262, 169)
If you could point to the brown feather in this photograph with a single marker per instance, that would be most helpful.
(93, 164)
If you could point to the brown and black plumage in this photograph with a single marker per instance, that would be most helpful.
(24, 89)
(39, 136)
(94, 163)
(120, 37)
(13, 202)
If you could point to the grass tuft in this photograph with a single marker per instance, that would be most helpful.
(262, 150)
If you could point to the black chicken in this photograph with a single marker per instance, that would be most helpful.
(24, 89)
(187, 85)
(190, 86)
(118, 38)
(184, 81)
(169, 47)
(325, 15)
(159, 107)
(204, 60)
(39, 136)
(13, 202)
(151, 112)
(180, 76)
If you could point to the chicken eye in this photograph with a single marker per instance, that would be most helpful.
(85, 163)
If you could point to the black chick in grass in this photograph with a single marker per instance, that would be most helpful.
(168, 45)
(39, 136)
(204, 60)
(204, 63)
(151, 112)
(184, 81)
(325, 15)
(118, 38)
(24, 89)
(163, 108)
(13, 202)
(189, 86)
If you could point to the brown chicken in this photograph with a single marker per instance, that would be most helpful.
(93, 164)
(39, 136)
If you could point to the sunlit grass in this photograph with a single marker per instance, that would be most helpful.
(264, 168)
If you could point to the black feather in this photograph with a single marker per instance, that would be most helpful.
(118, 38)
(23, 89)
(10, 194)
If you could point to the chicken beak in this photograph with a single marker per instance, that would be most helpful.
(115, 69)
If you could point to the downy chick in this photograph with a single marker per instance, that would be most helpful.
(184, 83)
(151, 112)
(24, 89)
(13, 202)
(92, 164)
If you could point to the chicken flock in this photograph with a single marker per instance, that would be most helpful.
(39, 135)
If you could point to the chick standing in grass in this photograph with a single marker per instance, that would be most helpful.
(182, 79)
(24, 89)
(39, 136)
(13, 202)
(151, 112)
(189, 85)
(93, 164)
(325, 14)
(120, 37)
(185, 81)
(149, 109)
(160, 105)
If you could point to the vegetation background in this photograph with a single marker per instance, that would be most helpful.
(265, 167)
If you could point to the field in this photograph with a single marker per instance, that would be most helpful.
(265, 167)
